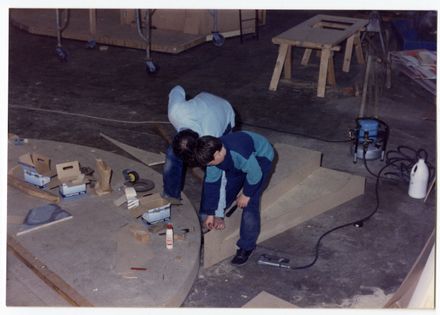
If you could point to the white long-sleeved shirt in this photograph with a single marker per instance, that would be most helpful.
(205, 114)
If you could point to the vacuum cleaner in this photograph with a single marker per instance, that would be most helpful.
(369, 139)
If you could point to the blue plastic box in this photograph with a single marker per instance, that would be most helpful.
(409, 38)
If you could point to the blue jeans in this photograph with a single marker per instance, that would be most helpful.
(250, 218)
(173, 174)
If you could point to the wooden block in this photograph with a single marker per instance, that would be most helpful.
(102, 186)
(282, 53)
(130, 252)
(141, 234)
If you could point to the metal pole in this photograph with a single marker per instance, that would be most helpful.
(364, 88)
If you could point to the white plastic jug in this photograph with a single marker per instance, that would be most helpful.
(418, 180)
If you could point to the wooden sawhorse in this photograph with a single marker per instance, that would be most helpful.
(323, 32)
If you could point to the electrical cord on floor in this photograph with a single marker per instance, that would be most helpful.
(404, 163)
(90, 117)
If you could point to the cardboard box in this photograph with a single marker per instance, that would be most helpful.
(72, 181)
(36, 169)
(153, 209)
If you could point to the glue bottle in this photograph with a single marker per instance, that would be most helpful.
(418, 180)
(169, 236)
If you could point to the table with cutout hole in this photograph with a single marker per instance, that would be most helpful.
(324, 33)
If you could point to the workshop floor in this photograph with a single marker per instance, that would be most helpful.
(357, 267)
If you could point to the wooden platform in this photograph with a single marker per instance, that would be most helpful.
(87, 260)
(109, 30)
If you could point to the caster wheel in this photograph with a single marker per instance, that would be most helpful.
(218, 39)
(91, 44)
(151, 67)
(61, 54)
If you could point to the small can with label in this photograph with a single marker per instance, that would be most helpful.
(169, 236)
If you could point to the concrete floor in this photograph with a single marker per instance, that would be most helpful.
(357, 267)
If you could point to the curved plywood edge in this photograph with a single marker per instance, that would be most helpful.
(82, 251)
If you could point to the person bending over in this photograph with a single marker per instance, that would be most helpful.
(205, 114)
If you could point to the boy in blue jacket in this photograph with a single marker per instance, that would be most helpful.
(246, 158)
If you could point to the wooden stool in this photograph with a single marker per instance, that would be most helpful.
(325, 33)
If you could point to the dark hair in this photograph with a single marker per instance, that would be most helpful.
(205, 148)
(184, 144)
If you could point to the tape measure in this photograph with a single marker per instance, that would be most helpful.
(130, 175)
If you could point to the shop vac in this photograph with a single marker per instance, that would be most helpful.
(369, 139)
